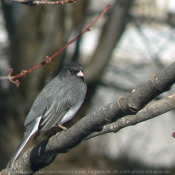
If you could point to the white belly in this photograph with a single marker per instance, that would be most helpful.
(70, 114)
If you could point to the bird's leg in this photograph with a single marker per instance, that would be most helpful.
(62, 127)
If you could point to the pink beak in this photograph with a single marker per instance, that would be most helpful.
(80, 74)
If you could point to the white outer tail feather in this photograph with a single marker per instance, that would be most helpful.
(30, 132)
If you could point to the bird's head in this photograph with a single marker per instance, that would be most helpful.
(73, 70)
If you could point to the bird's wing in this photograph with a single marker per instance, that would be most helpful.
(39, 106)
(46, 97)
(54, 114)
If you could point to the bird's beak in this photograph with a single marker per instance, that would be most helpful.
(80, 74)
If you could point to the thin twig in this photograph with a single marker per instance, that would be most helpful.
(45, 2)
(49, 59)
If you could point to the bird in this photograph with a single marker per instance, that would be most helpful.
(56, 104)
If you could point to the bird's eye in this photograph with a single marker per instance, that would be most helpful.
(71, 70)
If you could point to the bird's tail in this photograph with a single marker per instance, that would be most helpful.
(31, 129)
(19, 149)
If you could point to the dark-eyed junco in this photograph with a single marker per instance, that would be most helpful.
(57, 103)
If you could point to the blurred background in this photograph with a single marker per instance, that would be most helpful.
(134, 40)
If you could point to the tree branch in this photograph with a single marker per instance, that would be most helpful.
(150, 111)
(110, 35)
(50, 59)
(34, 3)
(46, 151)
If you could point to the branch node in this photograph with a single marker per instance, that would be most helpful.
(108, 7)
(133, 109)
(24, 73)
(11, 78)
(133, 90)
(48, 59)
(87, 29)
(156, 83)
(108, 121)
(10, 72)
(123, 104)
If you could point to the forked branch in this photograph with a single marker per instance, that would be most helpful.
(14, 78)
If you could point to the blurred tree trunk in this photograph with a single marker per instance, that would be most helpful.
(34, 33)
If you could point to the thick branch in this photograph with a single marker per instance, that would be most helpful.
(45, 152)
(152, 110)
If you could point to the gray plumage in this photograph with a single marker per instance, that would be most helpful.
(56, 104)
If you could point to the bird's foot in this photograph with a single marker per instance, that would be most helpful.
(62, 127)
